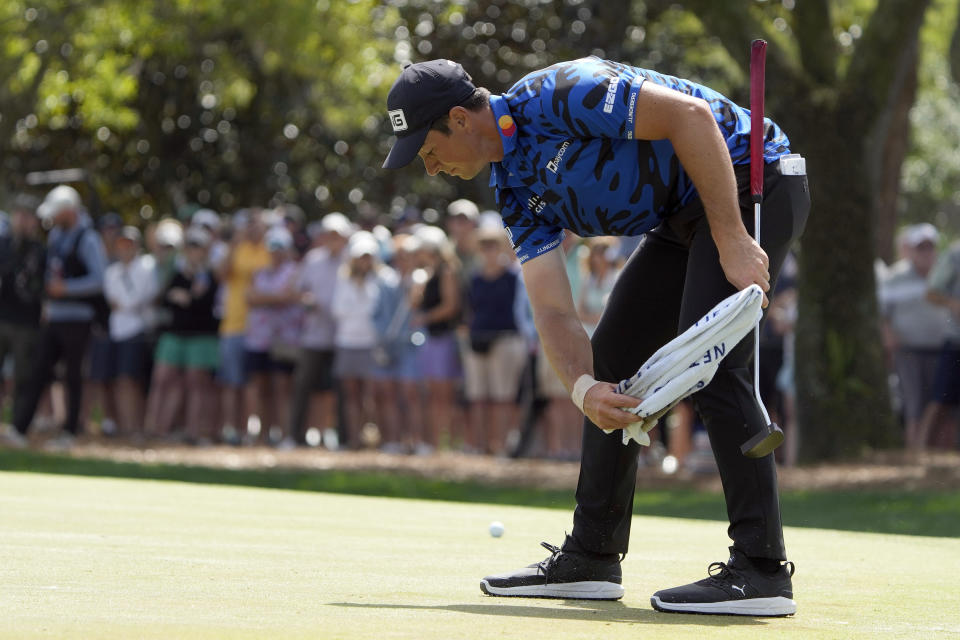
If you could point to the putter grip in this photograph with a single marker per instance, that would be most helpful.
(758, 58)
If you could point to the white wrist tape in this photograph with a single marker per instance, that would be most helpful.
(580, 388)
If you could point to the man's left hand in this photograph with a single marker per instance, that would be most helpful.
(744, 263)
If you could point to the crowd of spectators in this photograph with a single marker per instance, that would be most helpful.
(258, 327)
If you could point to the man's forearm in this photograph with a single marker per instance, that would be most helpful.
(703, 153)
(566, 345)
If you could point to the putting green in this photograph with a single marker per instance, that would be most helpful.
(109, 558)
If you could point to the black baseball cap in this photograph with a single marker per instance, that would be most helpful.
(424, 92)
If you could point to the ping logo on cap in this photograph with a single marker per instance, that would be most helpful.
(398, 120)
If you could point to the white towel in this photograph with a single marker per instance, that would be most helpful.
(688, 362)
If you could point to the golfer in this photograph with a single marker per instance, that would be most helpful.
(603, 148)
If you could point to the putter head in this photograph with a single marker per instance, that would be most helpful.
(764, 442)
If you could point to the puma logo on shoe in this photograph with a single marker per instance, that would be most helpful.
(740, 589)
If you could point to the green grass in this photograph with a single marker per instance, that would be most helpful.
(116, 559)
(913, 512)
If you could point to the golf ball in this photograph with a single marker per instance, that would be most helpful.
(496, 529)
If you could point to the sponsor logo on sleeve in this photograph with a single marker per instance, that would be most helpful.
(548, 246)
(631, 114)
(536, 203)
(398, 120)
(609, 101)
(554, 165)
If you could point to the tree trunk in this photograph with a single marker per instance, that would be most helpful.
(842, 398)
(893, 136)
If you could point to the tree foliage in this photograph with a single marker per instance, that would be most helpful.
(220, 102)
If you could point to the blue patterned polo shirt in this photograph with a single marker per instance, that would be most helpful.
(570, 160)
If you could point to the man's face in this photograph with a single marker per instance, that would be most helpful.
(460, 227)
(923, 256)
(126, 249)
(453, 154)
(65, 218)
(334, 242)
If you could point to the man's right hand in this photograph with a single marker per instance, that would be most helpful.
(605, 407)
(744, 262)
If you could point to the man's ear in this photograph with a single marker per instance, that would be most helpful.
(459, 117)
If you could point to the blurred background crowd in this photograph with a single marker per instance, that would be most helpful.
(263, 327)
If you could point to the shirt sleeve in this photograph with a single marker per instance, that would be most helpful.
(593, 98)
(530, 236)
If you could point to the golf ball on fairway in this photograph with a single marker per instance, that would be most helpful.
(496, 529)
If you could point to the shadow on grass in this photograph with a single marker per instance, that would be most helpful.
(909, 512)
(574, 610)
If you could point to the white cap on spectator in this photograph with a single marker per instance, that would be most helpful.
(490, 226)
(463, 207)
(197, 237)
(924, 232)
(207, 218)
(336, 223)
(131, 233)
(61, 198)
(169, 233)
(278, 238)
(363, 243)
(432, 238)
(271, 217)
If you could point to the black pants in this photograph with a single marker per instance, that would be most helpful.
(314, 374)
(65, 341)
(21, 341)
(671, 280)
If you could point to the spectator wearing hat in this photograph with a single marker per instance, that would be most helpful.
(76, 261)
(461, 225)
(314, 389)
(438, 305)
(163, 241)
(209, 220)
(497, 350)
(130, 286)
(938, 426)
(187, 351)
(22, 266)
(273, 329)
(397, 376)
(246, 256)
(353, 304)
(914, 329)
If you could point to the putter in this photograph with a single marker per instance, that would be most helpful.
(771, 436)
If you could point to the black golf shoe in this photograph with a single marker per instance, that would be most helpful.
(564, 574)
(733, 588)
